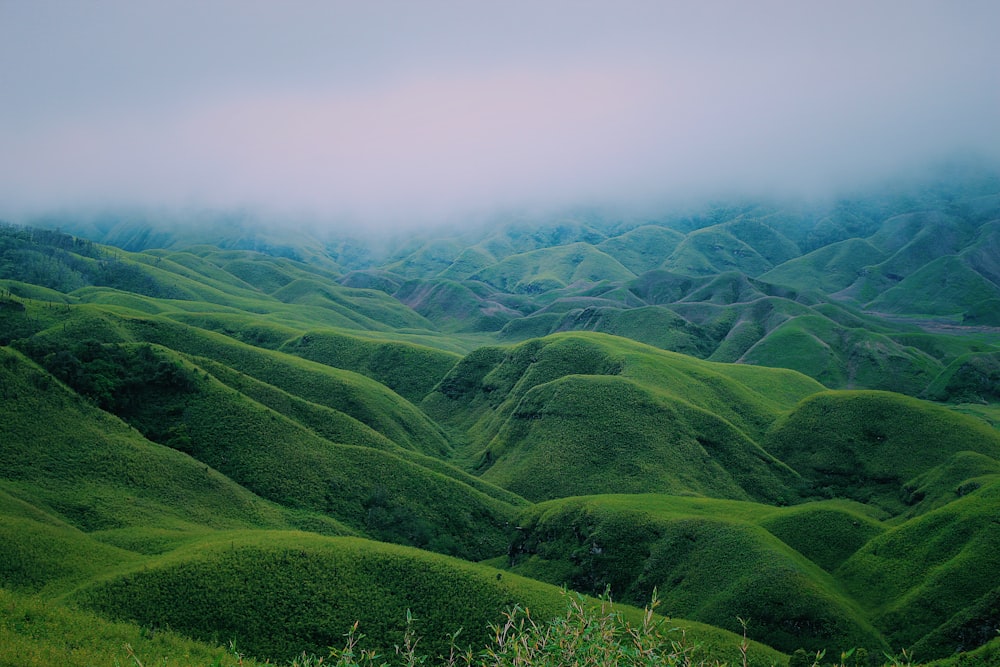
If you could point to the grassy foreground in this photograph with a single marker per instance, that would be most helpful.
(587, 633)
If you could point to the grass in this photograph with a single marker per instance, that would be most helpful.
(643, 248)
(548, 268)
(918, 575)
(36, 632)
(652, 325)
(711, 251)
(841, 357)
(577, 426)
(854, 439)
(635, 543)
(62, 453)
(377, 403)
(970, 378)
(281, 594)
(828, 269)
(489, 384)
(946, 286)
(459, 307)
(266, 453)
(411, 371)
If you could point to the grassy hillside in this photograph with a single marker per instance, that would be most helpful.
(946, 287)
(710, 560)
(409, 370)
(173, 402)
(934, 578)
(550, 268)
(828, 269)
(579, 413)
(970, 378)
(530, 282)
(251, 586)
(94, 472)
(222, 433)
(42, 633)
(652, 325)
(458, 306)
(868, 445)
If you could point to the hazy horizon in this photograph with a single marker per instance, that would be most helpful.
(393, 112)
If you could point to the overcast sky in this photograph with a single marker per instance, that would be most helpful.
(414, 109)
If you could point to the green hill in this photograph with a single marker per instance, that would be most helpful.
(602, 412)
(652, 325)
(710, 560)
(643, 248)
(96, 473)
(936, 570)
(455, 306)
(251, 586)
(970, 378)
(849, 444)
(41, 633)
(409, 370)
(944, 287)
(843, 356)
(717, 250)
(828, 269)
(551, 268)
(220, 428)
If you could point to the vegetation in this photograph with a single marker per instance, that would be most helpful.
(275, 440)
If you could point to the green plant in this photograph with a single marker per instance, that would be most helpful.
(581, 636)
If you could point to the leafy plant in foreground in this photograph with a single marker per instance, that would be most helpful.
(582, 636)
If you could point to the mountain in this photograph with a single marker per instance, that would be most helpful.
(780, 413)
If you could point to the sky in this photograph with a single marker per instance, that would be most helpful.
(397, 111)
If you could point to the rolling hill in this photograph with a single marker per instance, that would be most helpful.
(765, 411)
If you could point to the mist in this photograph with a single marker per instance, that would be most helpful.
(397, 113)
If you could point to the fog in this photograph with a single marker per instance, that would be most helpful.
(392, 113)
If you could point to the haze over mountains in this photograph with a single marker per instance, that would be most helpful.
(394, 114)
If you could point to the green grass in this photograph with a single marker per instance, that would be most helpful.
(431, 259)
(36, 632)
(946, 287)
(40, 553)
(279, 594)
(378, 403)
(828, 269)
(747, 398)
(468, 262)
(604, 434)
(652, 325)
(356, 395)
(411, 371)
(95, 472)
(711, 560)
(825, 532)
(357, 308)
(844, 357)
(848, 444)
(970, 378)
(454, 306)
(918, 575)
(278, 459)
(548, 268)
(714, 250)
(643, 248)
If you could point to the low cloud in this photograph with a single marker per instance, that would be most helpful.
(604, 103)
